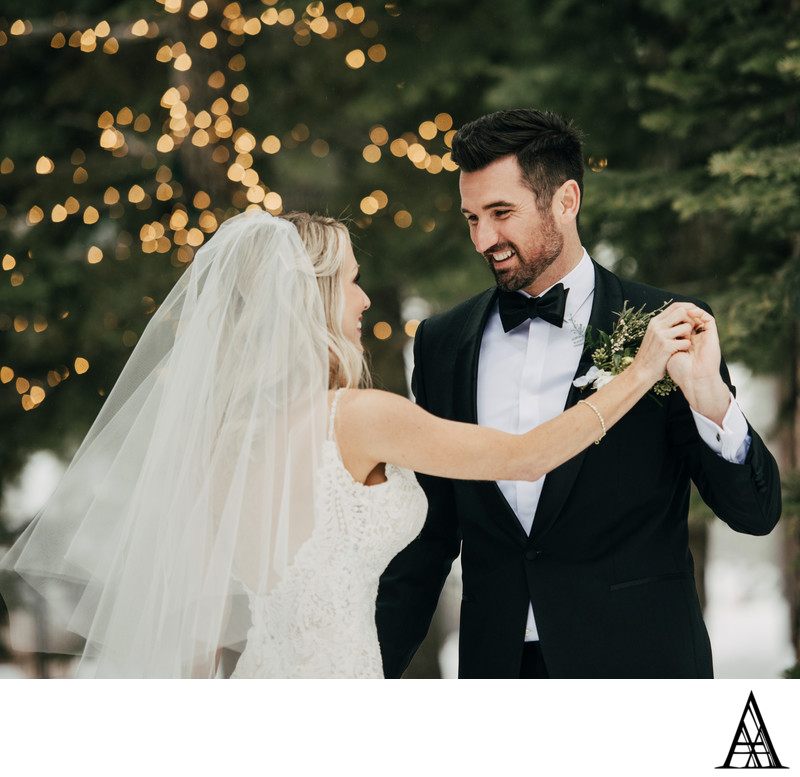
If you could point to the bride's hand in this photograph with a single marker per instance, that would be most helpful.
(668, 333)
(696, 369)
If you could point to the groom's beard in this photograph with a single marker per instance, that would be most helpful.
(528, 266)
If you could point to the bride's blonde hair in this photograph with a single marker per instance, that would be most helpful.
(326, 241)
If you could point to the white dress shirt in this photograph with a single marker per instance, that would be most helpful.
(524, 377)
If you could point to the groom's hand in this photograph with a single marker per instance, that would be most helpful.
(696, 370)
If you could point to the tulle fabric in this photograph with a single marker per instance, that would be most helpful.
(196, 482)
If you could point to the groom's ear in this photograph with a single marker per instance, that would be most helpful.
(567, 202)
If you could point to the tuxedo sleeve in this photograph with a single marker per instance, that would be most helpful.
(410, 587)
(746, 496)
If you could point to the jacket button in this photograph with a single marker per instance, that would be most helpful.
(533, 555)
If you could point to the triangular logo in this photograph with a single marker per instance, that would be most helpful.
(751, 747)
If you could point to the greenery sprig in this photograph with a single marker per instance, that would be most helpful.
(613, 353)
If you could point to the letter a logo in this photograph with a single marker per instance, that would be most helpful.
(751, 747)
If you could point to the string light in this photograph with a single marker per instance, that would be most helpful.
(214, 128)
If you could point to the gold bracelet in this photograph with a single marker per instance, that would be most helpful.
(599, 418)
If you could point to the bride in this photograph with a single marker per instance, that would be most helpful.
(239, 490)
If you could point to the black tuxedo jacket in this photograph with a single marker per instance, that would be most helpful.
(607, 564)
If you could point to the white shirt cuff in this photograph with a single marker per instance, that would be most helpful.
(731, 440)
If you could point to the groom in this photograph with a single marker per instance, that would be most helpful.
(587, 571)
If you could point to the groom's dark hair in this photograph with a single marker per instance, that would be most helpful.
(547, 146)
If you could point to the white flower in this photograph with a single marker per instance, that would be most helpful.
(603, 377)
(597, 377)
(587, 378)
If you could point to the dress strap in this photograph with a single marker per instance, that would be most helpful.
(336, 396)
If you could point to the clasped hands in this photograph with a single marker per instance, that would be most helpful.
(687, 337)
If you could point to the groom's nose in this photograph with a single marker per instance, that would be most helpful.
(484, 236)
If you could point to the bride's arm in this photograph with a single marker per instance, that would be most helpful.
(377, 426)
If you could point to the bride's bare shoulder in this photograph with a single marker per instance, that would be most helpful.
(370, 406)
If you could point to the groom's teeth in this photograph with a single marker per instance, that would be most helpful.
(503, 256)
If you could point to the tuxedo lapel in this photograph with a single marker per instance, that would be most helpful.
(465, 389)
(608, 301)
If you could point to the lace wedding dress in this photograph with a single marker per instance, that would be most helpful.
(319, 622)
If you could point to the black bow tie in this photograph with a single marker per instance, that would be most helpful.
(516, 308)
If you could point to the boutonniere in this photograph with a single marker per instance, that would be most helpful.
(613, 353)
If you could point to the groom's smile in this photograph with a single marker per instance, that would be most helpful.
(497, 256)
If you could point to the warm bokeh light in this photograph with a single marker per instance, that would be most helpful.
(111, 196)
(244, 141)
(320, 148)
(271, 144)
(273, 202)
(140, 28)
(443, 121)
(427, 130)
(382, 330)
(416, 153)
(378, 135)
(399, 147)
(300, 132)
(44, 165)
(240, 93)
(355, 59)
(448, 163)
(201, 200)
(371, 153)
(410, 327)
(198, 10)
(377, 53)
(183, 62)
(195, 117)
(403, 219)
(209, 40)
(369, 205)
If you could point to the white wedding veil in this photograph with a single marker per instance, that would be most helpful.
(196, 481)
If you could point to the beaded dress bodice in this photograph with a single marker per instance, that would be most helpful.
(319, 622)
